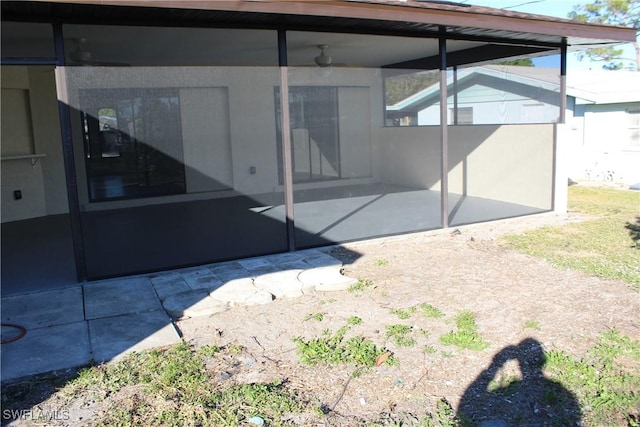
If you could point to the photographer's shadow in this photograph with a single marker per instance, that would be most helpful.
(501, 395)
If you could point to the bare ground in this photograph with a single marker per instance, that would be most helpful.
(522, 306)
(506, 290)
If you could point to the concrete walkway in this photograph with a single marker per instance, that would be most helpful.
(102, 321)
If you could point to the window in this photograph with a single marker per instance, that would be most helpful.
(315, 136)
(464, 116)
(133, 143)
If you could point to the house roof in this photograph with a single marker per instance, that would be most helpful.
(398, 17)
(588, 87)
(604, 87)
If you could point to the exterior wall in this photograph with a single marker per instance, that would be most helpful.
(491, 106)
(509, 163)
(30, 125)
(601, 145)
(411, 156)
(229, 125)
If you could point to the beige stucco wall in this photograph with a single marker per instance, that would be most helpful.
(30, 125)
(410, 156)
(511, 163)
(229, 124)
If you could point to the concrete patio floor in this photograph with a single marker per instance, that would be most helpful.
(103, 321)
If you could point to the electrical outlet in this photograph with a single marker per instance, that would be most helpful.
(252, 170)
(17, 195)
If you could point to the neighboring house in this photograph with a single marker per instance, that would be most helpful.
(602, 113)
(142, 136)
(604, 126)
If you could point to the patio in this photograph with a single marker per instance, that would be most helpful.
(102, 321)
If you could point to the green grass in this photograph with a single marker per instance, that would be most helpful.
(404, 313)
(173, 387)
(606, 381)
(427, 310)
(605, 246)
(532, 324)
(466, 336)
(333, 348)
(315, 316)
(361, 285)
(400, 335)
(381, 262)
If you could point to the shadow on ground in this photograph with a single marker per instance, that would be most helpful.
(514, 391)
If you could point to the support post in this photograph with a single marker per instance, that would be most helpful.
(444, 133)
(563, 81)
(286, 139)
(66, 131)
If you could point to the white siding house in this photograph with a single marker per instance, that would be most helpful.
(602, 116)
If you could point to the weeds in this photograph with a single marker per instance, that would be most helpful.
(427, 310)
(404, 314)
(334, 349)
(605, 381)
(399, 334)
(381, 262)
(466, 337)
(361, 285)
(532, 324)
(173, 387)
(315, 316)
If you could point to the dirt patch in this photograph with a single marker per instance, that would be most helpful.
(516, 299)
(522, 307)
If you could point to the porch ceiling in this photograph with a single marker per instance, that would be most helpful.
(384, 17)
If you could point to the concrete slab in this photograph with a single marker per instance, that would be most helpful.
(326, 279)
(319, 259)
(122, 296)
(230, 271)
(42, 309)
(295, 265)
(46, 349)
(241, 292)
(202, 278)
(193, 304)
(282, 258)
(255, 263)
(114, 337)
(280, 284)
(168, 285)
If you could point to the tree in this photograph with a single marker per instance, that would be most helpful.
(522, 62)
(625, 13)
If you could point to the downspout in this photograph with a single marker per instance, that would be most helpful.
(66, 132)
(444, 132)
(286, 139)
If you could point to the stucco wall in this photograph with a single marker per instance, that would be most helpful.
(508, 163)
(229, 124)
(30, 125)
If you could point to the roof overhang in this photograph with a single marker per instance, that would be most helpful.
(387, 17)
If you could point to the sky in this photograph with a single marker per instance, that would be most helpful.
(556, 8)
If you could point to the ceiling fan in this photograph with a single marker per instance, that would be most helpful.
(323, 60)
(81, 56)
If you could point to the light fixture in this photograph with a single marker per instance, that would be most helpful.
(323, 60)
